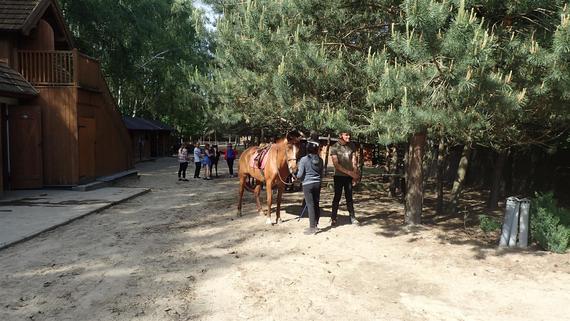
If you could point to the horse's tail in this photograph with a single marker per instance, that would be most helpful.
(248, 185)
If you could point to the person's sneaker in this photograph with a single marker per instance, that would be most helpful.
(311, 231)
(185, 179)
(354, 221)
(179, 178)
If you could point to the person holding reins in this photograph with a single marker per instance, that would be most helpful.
(310, 173)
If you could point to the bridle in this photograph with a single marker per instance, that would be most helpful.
(289, 159)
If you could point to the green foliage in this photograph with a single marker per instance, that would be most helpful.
(285, 64)
(488, 224)
(550, 224)
(149, 51)
(488, 72)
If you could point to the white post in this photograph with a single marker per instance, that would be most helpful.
(515, 225)
(524, 214)
(508, 222)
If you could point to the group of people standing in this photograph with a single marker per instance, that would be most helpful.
(206, 158)
(310, 173)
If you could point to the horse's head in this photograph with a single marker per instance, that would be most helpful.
(292, 147)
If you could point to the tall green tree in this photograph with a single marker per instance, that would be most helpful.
(149, 50)
(293, 63)
(472, 72)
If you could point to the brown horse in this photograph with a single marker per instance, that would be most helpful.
(281, 161)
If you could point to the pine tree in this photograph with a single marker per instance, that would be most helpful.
(472, 72)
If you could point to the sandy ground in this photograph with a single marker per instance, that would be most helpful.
(178, 253)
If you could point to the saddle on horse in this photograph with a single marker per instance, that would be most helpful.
(260, 157)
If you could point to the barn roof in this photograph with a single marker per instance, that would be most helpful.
(137, 123)
(15, 13)
(14, 84)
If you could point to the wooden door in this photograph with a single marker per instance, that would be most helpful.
(86, 148)
(25, 147)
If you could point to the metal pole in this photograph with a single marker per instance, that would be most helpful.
(515, 225)
(507, 224)
(524, 214)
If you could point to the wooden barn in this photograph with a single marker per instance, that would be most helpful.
(60, 124)
(150, 138)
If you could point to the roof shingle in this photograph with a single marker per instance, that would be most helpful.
(14, 13)
(137, 123)
(14, 84)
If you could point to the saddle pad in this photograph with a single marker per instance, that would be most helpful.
(254, 164)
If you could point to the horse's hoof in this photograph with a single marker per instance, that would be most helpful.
(268, 221)
(279, 221)
(238, 214)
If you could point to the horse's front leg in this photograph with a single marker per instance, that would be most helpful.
(269, 187)
(280, 190)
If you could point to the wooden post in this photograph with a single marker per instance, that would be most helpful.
(327, 154)
(75, 71)
(523, 225)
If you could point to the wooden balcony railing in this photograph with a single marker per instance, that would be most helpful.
(60, 68)
(54, 68)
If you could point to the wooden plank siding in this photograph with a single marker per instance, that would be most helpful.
(60, 136)
(140, 145)
(2, 146)
(113, 144)
(111, 153)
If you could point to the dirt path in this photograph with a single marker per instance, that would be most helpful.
(178, 253)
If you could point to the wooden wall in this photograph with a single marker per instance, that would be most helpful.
(161, 143)
(59, 131)
(7, 51)
(140, 151)
(41, 38)
(113, 151)
(2, 144)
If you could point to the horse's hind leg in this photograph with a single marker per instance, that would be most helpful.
(242, 183)
(278, 210)
(256, 193)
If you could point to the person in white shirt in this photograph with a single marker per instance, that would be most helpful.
(197, 159)
(183, 162)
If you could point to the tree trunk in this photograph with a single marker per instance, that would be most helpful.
(327, 154)
(460, 179)
(440, 172)
(392, 159)
(497, 178)
(414, 180)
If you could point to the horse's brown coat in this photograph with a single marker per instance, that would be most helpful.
(281, 161)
